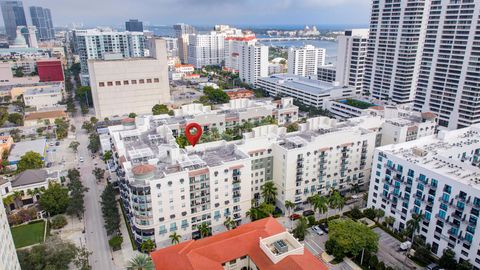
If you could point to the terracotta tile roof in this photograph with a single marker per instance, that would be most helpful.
(429, 115)
(45, 115)
(211, 252)
(143, 169)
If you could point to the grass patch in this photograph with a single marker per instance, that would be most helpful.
(358, 103)
(28, 234)
(130, 235)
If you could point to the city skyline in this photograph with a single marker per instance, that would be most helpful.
(168, 12)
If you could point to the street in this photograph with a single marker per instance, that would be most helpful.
(95, 234)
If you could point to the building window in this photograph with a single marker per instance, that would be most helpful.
(125, 83)
(134, 81)
(101, 84)
(109, 83)
(156, 80)
(149, 80)
(141, 81)
(118, 83)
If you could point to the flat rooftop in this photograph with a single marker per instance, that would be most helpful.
(44, 90)
(448, 153)
(19, 149)
(304, 84)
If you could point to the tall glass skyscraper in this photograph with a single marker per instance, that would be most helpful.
(42, 19)
(13, 16)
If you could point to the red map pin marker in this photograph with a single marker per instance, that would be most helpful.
(193, 138)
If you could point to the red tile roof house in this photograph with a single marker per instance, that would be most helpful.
(263, 244)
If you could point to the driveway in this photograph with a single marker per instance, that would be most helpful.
(389, 252)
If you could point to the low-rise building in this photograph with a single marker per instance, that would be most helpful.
(239, 93)
(48, 96)
(50, 70)
(43, 118)
(438, 178)
(20, 148)
(263, 244)
(308, 91)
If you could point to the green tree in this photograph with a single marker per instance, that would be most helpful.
(110, 213)
(147, 246)
(337, 201)
(348, 238)
(292, 127)
(77, 190)
(62, 128)
(30, 160)
(175, 238)
(107, 155)
(15, 133)
(216, 96)
(93, 120)
(379, 213)
(289, 205)
(301, 229)
(203, 229)
(319, 203)
(74, 146)
(55, 199)
(389, 220)
(132, 115)
(182, 141)
(141, 262)
(94, 143)
(369, 213)
(160, 109)
(88, 126)
(413, 225)
(115, 242)
(229, 223)
(99, 173)
(464, 265)
(447, 261)
(269, 192)
(19, 72)
(16, 118)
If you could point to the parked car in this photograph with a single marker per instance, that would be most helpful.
(432, 266)
(81, 159)
(57, 143)
(317, 229)
(323, 227)
(294, 216)
(307, 213)
(49, 164)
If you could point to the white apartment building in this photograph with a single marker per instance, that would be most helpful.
(394, 49)
(121, 86)
(233, 48)
(172, 46)
(95, 43)
(253, 63)
(8, 253)
(206, 49)
(326, 73)
(351, 55)
(166, 189)
(307, 91)
(437, 177)
(305, 61)
(43, 97)
(450, 64)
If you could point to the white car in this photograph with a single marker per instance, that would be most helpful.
(317, 230)
(81, 159)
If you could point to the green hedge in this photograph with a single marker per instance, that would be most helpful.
(129, 229)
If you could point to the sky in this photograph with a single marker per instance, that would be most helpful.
(207, 12)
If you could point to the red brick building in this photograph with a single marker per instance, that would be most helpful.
(50, 70)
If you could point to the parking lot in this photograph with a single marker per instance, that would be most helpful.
(185, 95)
(389, 252)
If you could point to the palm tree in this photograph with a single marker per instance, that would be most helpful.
(337, 201)
(269, 192)
(141, 262)
(389, 220)
(289, 205)
(148, 246)
(175, 238)
(7, 201)
(203, 229)
(253, 213)
(301, 229)
(229, 223)
(320, 203)
(17, 199)
(413, 224)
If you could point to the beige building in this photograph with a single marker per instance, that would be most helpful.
(42, 118)
(47, 96)
(121, 86)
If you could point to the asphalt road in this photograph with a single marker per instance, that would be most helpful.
(95, 234)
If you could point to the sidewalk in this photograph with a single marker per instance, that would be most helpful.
(122, 257)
